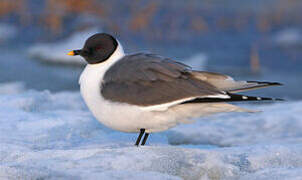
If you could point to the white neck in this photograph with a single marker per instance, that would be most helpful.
(117, 55)
(98, 70)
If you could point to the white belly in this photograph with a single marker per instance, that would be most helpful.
(119, 116)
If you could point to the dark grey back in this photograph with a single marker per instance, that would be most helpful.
(147, 79)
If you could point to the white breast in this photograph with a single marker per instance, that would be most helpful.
(90, 82)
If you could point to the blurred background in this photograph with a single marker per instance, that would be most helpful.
(253, 40)
(47, 132)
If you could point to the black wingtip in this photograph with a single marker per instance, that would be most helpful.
(267, 83)
(276, 84)
(232, 98)
(252, 98)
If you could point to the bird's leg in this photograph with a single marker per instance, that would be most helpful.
(138, 140)
(145, 139)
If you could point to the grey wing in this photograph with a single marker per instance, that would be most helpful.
(228, 84)
(147, 79)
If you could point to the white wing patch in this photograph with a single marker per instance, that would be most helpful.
(164, 107)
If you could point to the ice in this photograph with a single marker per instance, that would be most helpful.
(275, 173)
(7, 32)
(288, 37)
(197, 61)
(45, 135)
(278, 123)
(12, 88)
(60, 49)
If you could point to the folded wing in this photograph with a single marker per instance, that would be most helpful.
(228, 84)
(147, 79)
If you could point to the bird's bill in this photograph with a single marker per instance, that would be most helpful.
(71, 53)
(74, 53)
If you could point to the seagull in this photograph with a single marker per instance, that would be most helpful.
(147, 93)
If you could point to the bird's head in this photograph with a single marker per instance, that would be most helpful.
(98, 48)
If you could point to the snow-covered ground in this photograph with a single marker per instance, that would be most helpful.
(46, 135)
(57, 52)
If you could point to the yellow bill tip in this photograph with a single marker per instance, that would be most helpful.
(71, 53)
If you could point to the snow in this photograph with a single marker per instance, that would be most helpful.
(277, 123)
(288, 37)
(45, 135)
(60, 49)
(12, 88)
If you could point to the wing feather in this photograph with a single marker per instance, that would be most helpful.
(146, 80)
(228, 84)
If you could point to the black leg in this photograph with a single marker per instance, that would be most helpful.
(138, 140)
(145, 139)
